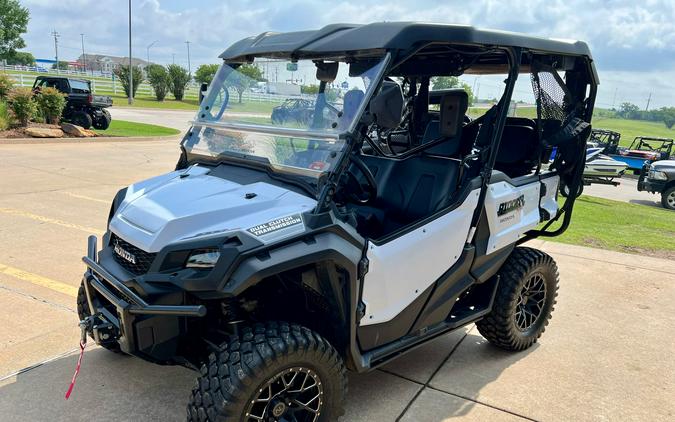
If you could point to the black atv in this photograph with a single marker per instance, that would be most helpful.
(83, 108)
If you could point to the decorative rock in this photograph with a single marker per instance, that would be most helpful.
(76, 130)
(44, 132)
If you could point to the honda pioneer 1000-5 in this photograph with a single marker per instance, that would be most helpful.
(281, 252)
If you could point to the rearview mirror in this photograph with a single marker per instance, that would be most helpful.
(202, 91)
(326, 72)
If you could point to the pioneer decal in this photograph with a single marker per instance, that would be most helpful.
(276, 225)
(510, 206)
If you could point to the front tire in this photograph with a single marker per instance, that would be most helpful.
(272, 370)
(524, 301)
(668, 198)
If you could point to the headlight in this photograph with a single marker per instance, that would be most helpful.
(203, 258)
(658, 175)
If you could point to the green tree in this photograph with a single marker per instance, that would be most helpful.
(13, 23)
(178, 80)
(21, 58)
(122, 73)
(668, 116)
(244, 77)
(309, 89)
(205, 73)
(628, 111)
(159, 80)
(50, 103)
(449, 82)
(62, 65)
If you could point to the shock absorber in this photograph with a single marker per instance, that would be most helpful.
(232, 311)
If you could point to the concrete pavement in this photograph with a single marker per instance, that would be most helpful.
(607, 354)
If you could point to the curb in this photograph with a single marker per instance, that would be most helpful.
(93, 140)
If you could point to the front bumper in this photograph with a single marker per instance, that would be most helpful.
(138, 327)
(650, 185)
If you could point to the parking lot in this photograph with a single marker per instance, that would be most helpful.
(607, 354)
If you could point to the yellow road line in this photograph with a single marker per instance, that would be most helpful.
(89, 198)
(39, 280)
(44, 219)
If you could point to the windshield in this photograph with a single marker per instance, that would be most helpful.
(286, 114)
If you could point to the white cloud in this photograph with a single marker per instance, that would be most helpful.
(634, 41)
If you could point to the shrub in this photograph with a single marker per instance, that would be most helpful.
(50, 103)
(6, 84)
(179, 78)
(159, 80)
(22, 104)
(122, 73)
(5, 117)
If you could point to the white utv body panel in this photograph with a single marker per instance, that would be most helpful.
(513, 210)
(188, 204)
(401, 269)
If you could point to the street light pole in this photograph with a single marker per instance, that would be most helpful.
(56, 48)
(188, 51)
(84, 57)
(131, 77)
(148, 48)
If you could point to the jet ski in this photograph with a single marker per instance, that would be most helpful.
(601, 165)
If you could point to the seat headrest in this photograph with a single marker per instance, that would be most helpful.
(387, 106)
(352, 101)
(453, 105)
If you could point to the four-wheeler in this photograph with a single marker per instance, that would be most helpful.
(644, 149)
(659, 177)
(606, 139)
(83, 108)
(276, 256)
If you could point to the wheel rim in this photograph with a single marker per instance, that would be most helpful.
(671, 199)
(293, 395)
(531, 301)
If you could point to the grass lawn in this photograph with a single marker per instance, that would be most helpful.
(123, 128)
(623, 227)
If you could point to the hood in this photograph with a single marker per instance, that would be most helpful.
(189, 204)
(663, 165)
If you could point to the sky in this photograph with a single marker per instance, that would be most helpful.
(632, 42)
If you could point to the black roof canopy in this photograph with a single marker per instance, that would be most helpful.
(341, 38)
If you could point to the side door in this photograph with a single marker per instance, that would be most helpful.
(402, 271)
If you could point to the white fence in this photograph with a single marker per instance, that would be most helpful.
(110, 85)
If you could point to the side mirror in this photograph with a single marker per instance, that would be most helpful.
(202, 91)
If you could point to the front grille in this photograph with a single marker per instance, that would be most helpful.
(133, 259)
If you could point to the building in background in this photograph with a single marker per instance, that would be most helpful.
(107, 64)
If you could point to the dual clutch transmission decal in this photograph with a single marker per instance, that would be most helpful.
(279, 227)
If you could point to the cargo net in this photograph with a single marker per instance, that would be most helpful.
(552, 98)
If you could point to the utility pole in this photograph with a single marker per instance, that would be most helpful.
(188, 51)
(648, 101)
(173, 58)
(84, 57)
(148, 50)
(131, 73)
(616, 90)
(56, 48)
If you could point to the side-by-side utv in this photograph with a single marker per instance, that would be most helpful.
(281, 252)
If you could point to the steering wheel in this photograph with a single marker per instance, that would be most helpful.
(368, 193)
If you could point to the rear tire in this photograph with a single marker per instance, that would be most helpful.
(668, 198)
(83, 312)
(524, 301)
(82, 119)
(270, 360)
(104, 122)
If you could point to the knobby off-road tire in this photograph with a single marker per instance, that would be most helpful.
(511, 324)
(668, 198)
(83, 312)
(82, 119)
(235, 378)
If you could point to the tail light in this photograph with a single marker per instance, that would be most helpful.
(90, 99)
